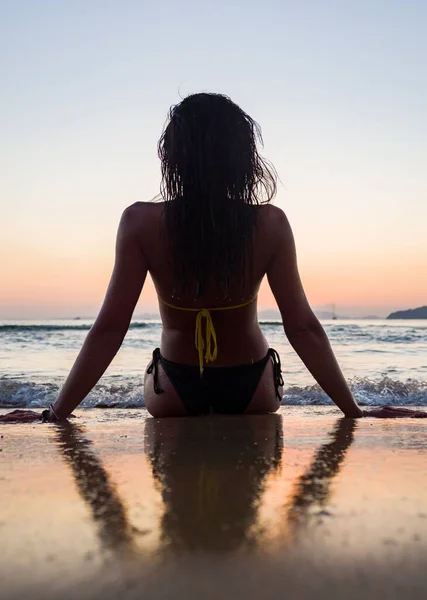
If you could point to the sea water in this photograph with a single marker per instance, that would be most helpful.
(384, 361)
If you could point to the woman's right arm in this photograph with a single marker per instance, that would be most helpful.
(302, 328)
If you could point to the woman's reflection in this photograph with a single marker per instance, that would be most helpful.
(96, 488)
(211, 473)
(313, 488)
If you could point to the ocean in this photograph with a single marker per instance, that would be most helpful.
(384, 361)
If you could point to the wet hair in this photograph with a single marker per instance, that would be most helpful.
(212, 178)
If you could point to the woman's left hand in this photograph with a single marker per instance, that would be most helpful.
(21, 416)
(394, 412)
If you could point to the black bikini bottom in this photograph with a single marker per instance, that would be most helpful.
(226, 390)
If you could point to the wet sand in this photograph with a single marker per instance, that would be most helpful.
(301, 504)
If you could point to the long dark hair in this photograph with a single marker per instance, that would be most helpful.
(212, 176)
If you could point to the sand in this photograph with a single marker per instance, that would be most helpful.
(296, 505)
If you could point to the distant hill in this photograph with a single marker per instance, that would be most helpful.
(411, 313)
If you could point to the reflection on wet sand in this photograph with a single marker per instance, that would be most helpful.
(313, 488)
(96, 489)
(68, 508)
(211, 473)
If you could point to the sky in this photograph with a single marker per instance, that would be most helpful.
(340, 91)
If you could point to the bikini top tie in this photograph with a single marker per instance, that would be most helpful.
(207, 342)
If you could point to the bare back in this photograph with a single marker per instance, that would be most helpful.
(240, 340)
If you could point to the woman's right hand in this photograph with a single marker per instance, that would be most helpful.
(21, 416)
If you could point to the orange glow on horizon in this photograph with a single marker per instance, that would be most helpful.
(59, 286)
(37, 281)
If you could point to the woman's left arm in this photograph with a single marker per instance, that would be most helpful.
(107, 333)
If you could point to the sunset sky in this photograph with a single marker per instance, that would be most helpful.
(339, 88)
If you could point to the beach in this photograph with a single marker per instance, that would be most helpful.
(300, 504)
(187, 191)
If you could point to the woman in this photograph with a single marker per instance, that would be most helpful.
(207, 247)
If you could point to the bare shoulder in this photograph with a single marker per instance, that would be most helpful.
(271, 215)
(140, 216)
(143, 210)
(274, 225)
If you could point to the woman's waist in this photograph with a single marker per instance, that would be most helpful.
(234, 347)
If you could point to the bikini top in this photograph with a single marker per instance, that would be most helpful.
(210, 334)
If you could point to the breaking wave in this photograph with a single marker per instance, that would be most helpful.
(128, 393)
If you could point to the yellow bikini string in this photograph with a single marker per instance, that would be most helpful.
(211, 343)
